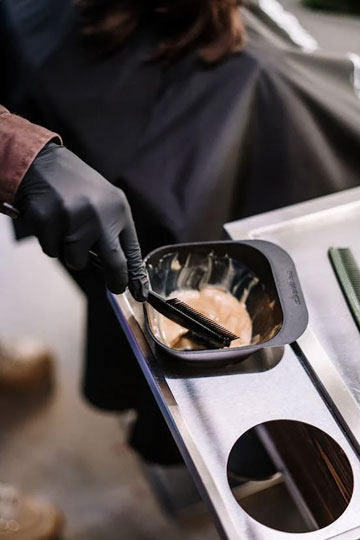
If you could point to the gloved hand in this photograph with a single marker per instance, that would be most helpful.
(72, 209)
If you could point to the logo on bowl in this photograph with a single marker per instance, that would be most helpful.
(294, 292)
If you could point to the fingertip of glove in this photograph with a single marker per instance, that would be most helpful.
(139, 289)
(116, 288)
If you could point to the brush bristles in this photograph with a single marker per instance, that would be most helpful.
(199, 317)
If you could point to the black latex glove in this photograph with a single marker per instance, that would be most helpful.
(72, 209)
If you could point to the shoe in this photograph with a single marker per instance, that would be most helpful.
(24, 363)
(27, 518)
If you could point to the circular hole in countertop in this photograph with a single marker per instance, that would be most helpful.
(290, 476)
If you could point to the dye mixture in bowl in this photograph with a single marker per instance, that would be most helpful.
(217, 304)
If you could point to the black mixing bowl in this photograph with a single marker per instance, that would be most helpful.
(275, 301)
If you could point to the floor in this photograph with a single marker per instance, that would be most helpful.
(58, 446)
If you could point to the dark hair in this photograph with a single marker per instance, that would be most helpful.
(213, 27)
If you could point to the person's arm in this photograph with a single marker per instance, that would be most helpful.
(69, 206)
(20, 143)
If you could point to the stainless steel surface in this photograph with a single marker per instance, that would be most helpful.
(354, 534)
(307, 238)
(306, 231)
(329, 348)
(208, 411)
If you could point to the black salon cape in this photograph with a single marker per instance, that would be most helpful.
(193, 147)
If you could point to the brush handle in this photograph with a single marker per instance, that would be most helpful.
(9, 210)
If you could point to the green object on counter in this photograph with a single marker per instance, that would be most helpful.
(348, 275)
(343, 6)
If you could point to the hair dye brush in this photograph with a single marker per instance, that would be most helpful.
(202, 330)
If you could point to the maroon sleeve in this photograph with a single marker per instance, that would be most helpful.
(20, 142)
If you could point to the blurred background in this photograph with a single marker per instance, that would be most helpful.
(53, 443)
